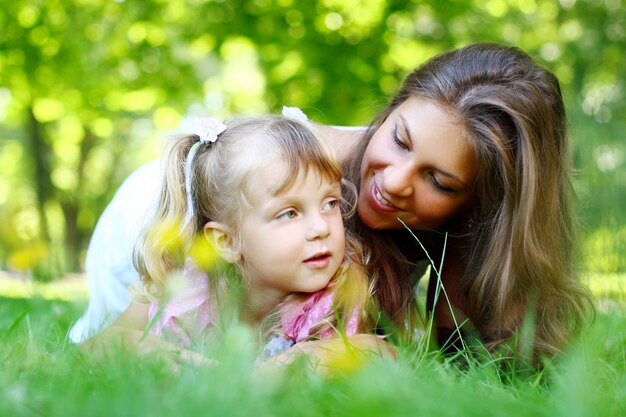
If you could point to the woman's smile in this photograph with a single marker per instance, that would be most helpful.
(382, 200)
(416, 168)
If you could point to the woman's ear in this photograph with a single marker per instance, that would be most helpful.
(220, 236)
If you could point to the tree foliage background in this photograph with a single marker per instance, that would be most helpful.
(90, 88)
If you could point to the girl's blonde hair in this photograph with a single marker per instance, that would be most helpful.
(520, 253)
(220, 175)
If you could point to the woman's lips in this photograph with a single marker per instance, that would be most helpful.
(380, 202)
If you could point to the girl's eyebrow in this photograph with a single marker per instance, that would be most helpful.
(332, 187)
(292, 196)
(405, 125)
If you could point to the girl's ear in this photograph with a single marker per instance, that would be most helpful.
(220, 236)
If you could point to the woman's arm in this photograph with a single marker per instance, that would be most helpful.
(343, 140)
(129, 332)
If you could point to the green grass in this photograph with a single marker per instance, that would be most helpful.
(45, 375)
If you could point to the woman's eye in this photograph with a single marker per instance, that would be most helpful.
(289, 214)
(331, 204)
(397, 140)
(439, 185)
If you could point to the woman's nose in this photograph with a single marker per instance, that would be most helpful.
(398, 180)
(318, 227)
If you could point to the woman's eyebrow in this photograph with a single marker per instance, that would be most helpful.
(449, 174)
(405, 125)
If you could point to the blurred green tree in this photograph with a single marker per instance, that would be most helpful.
(88, 89)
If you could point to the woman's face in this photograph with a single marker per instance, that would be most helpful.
(418, 168)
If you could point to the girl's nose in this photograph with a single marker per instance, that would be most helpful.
(318, 227)
(398, 180)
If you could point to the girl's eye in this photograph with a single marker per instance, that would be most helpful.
(331, 204)
(397, 140)
(289, 214)
(439, 185)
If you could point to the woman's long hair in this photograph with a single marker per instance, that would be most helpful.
(519, 256)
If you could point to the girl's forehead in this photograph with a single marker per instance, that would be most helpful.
(274, 179)
(310, 176)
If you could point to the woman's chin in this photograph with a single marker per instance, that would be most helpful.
(374, 220)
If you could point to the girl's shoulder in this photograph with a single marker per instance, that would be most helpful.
(188, 310)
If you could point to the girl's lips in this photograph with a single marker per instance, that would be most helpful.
(380, 202)
(318, 261)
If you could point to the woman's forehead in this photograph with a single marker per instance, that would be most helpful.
(436, 137)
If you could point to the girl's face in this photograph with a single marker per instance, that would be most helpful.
(418, 168)
(292, 241)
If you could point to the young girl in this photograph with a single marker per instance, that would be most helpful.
(265, 194)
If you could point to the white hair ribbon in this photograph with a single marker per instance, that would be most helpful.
(207, 129)
(295, 113)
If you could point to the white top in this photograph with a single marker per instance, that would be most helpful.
(109, 264)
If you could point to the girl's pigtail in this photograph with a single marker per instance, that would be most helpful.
(167, 236)
(160, 248)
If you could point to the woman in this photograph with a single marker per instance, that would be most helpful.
(475, 144)
(472, 151)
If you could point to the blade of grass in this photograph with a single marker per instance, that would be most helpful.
(439, 287)
(6, 333)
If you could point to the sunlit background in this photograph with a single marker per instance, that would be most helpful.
(90, 88)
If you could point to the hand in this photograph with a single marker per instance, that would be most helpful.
(114, 338)
(335, 355)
